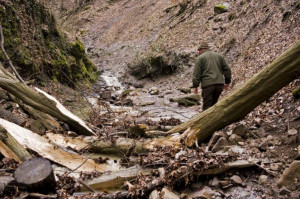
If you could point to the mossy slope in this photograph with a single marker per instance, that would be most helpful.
(36, 47)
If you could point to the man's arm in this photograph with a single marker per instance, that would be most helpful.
(196, 74)
(226, 72)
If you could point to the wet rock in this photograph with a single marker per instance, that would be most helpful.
(284, 191)
(154, 195)
(292, 132)
(290, 175)
(240, 130)
(167, 194)
(154, 91)
(214, 182)
(262, 179)
(236, 179)
(234, 139)
(215, 138)
(190, 100)
(204, 193)
(221, 143)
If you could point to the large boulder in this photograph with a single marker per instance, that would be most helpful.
(290, 175)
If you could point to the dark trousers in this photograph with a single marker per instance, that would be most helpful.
(211, 95)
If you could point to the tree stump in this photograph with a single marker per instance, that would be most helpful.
(37, 175)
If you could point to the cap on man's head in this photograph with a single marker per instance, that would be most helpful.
(203, 45)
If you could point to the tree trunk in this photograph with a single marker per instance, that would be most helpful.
(10, 148)
(118, 146)
(47, 150)
(262, 86)
(41, 101)
(37, 175)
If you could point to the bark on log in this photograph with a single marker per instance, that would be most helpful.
(236, 106)
(47, 150)
(119, 146)
(7, 115)
(10, 148)
(37, 175)
(116, 179)
(47, 121)
(41, 101)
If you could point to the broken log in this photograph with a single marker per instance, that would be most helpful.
(118, 146)
(41, 101)
(52, 152)
(47, 121)
(116, 179)
(37, 175)
(8, 115)
(10, 148)
(243, 100)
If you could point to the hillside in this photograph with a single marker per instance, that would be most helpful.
(117, 33)
(38, 48)
(140, 56)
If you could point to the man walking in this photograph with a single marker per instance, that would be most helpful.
(210, 70)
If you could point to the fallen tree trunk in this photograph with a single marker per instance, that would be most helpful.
(40, 100)
(44, 148)
(116, 179)
(242, 101)
(118, 146)
(10, 148)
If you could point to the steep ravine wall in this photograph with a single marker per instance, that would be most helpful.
(250, 35)
(38, 48)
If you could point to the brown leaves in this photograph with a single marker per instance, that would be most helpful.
(179, 169)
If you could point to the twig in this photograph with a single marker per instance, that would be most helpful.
(42, 195)
(7, 57)
(86, 186)
(86, 159)
(289, 121)
(172, 111)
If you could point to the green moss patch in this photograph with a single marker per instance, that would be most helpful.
(38, 49)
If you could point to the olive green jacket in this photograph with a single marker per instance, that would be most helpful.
(211, 68)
